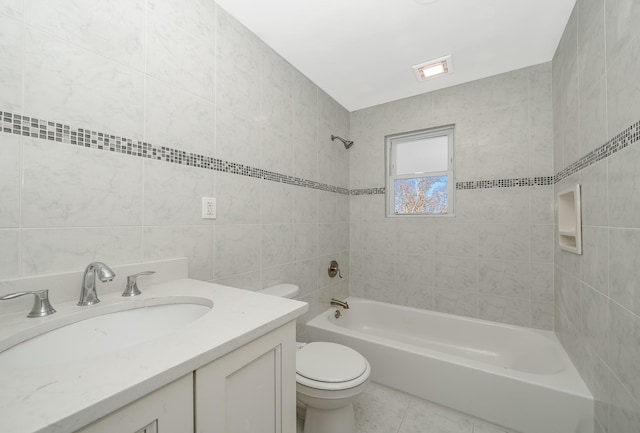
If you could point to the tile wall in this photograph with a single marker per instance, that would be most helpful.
(494, 258)
(107, 145)
(596, 103)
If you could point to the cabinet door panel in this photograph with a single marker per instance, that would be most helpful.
(251, 390)
(251, 396)
(169, 409)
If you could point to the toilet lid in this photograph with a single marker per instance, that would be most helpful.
(329, 362)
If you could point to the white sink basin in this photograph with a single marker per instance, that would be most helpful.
(96, 331)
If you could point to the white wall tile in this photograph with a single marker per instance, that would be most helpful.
(327, 109)
(62, 81)
(624, 334)
(305, 205)
(236, 249)
(193, 242)
(414, 268)
(542, 315)
(186, 13)
(13, 8)
(504, 278)
(305, 241)
(173, 193)
(178, 119)
(114, 29)
(9, 253)
(71, 249)
(66, 186)
(595, 258)
(237, 138)
(305, 141)
(506, 310)
(237, 199)
(181, 56)
(456, 273)
(277, 202)
(10, 180)
(305, 275)
(462, 303)
(624, 415)
(624, 262)
(277, 275)
(277, 244)
(624, 184)
(504, 241)
(238, 63)
(503, 90)
(305, 93)
(11, 58)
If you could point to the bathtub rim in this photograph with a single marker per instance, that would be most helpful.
(568, 380)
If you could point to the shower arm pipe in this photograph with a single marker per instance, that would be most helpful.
(347, 143)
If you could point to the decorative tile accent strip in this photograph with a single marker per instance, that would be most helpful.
(368, 191)
(37, 128)
(505, 183)
(477, 184)
(11, 123)
(624, 139)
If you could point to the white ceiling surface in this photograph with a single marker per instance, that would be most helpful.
(361, 51)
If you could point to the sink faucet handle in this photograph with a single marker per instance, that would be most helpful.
(132, 283)
(41, 305)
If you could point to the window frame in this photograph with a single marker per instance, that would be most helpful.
(390, 161)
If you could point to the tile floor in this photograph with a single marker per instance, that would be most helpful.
(384, 410)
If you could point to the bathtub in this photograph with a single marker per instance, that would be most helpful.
(515, 377)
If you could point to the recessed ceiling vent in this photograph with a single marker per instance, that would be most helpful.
(433, 68)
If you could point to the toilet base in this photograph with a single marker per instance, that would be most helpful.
(341, 420)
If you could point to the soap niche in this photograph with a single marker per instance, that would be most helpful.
(569, 220)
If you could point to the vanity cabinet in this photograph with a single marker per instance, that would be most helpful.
(169, 409)
(249, 390)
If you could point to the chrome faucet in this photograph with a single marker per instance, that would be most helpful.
(88, 294)
(337, 303)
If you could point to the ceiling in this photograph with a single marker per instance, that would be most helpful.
(361, 51)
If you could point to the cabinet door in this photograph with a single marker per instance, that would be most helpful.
(251, 390)
(169, 409)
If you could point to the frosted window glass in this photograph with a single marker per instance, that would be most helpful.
(423, 155)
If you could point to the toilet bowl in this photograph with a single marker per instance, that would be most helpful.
(329, 377)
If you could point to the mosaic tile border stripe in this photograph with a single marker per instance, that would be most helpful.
(624, 139)
(506, 183)
(25, 126)
(477, 184)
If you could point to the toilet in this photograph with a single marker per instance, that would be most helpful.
(329, 377)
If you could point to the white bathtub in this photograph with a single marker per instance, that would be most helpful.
(515, 377)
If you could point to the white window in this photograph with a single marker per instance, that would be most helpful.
(420, 172)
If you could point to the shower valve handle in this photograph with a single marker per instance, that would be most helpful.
(334, 269)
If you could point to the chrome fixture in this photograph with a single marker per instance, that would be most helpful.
(88, 294)
(347, 143)
(334, 269)
(337, 314)
(337, 303)
(41, 305)
(132, 283)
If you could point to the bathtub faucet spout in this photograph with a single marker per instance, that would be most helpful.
(337, 303)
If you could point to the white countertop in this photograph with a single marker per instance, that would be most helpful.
(64, 398)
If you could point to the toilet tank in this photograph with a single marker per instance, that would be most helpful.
(284, 290)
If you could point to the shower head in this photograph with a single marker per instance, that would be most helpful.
(347, 143)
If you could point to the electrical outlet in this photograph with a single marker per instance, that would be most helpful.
(208, 208)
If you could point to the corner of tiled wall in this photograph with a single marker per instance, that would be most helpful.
(596, 123)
